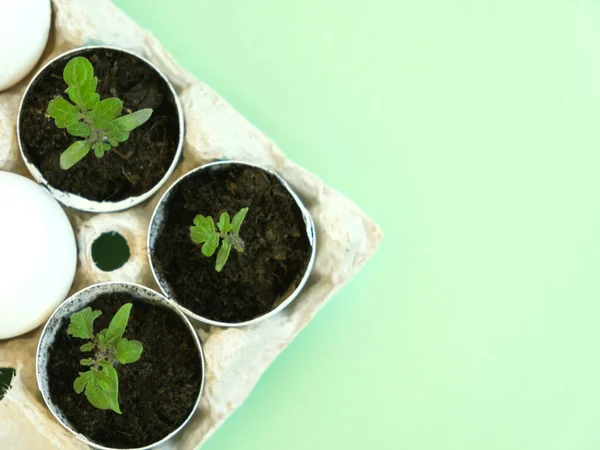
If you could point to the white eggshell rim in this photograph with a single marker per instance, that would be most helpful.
(79, 301)
(78, 202)
(155, 228)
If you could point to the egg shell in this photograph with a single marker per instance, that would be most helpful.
(24, 29)
(38, 255)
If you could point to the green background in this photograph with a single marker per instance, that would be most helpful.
(469, 131)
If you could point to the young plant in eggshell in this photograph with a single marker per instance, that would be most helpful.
(98, 122)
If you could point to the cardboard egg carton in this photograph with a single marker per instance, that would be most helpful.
(235, 358)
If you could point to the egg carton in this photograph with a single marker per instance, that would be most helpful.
(235, 357)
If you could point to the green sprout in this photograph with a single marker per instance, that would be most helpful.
(89, 117)
(204, 232)
(101, 383)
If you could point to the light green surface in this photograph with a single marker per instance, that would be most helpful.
(469, 131)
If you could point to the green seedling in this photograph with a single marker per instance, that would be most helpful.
(109, 348)
(227, 235)
(96, 121)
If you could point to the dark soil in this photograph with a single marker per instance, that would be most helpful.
(252, 283)
(156, 393)
(150, 148)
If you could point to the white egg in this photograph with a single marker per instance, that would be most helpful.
(38, 255)
(24, 28)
